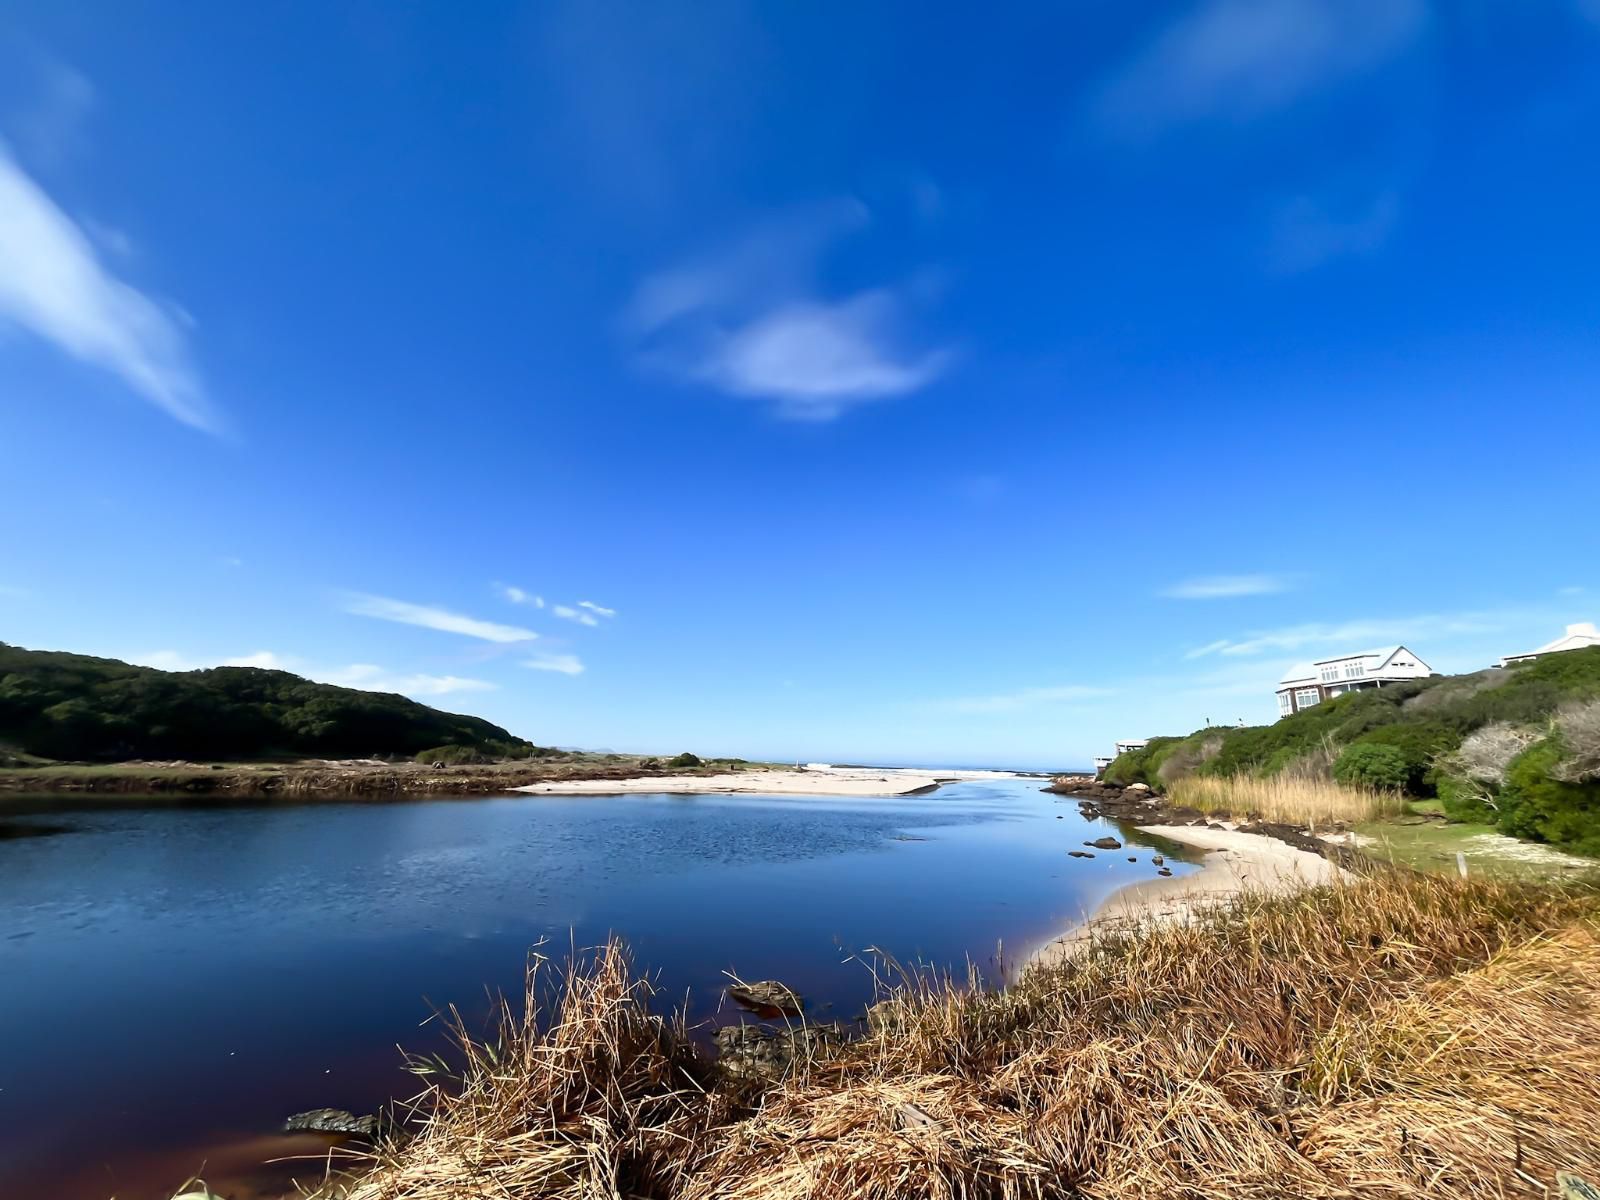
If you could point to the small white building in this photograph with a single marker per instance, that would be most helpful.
(1308, 684)
(1103, 761)
(1578, 637)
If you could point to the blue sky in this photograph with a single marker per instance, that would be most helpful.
(824, 381)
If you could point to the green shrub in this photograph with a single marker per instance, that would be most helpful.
(1420, 744)
(1142, 765)
(685, 760)
(1534, 804)
(1373, 766)
(1465, 800)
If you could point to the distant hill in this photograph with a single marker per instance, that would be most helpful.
(74, 707)
(1518, 747)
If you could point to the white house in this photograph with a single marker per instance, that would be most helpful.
(1308, 684)
(1578, 637)
(1101, 762)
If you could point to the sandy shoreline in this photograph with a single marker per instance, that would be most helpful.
(812, 781)
(1235, 862)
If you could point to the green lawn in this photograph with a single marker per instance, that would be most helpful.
(1433, 846)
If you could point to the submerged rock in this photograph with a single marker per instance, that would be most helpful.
(768, 995)
(1157, 859)
(1105, 843)
(1164, 871)
(1079, 854)
(332, 1120)
(764, 1053)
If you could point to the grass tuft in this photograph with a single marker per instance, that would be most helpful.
(1398, 1035)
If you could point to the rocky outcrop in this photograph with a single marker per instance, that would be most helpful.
(768, 997)
(766, 1054)
(333, 1120)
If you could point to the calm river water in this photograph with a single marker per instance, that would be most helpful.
(175, 981)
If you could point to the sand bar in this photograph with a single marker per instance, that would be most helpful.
(1235, 862)
(811, 781)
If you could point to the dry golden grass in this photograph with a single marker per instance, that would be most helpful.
(1294, 801)
(1398, 1036)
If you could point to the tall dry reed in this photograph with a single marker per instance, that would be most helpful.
(1294, 801)
(1396, 1036)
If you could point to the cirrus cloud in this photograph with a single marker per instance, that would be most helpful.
(53, 284)
(365, 677)
(1239, 59)
(561, 664)
(1220, 587)
(424, 616)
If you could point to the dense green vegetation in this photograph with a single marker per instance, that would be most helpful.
(1518, 748)
(73, 707)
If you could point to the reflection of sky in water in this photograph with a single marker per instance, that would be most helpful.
(276, 955)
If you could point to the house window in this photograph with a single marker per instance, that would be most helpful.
(1330, 673)
(1354, 670)
(1306, 697)
(1285, 704)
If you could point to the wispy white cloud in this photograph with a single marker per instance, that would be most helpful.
(750, 320)
(173, 660)
(1361, 634)
(1307, 232)
(567, 613)
(53, 284)
(369, 678)
(365, 677)
(403, 613)
(1221, 587)
(1238, 59)
(1573, 590)
(517, 595)
(598, 610)
(563, 664)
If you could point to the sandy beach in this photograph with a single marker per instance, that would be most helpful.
(1235, 862)
(810, 781)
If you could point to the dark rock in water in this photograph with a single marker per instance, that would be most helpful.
(1105, 843)
(768, 995)
(1157, 859)
(1164, 871)
(1133, 858)
(764, 1053)
(1079, 854)
(333, 1120)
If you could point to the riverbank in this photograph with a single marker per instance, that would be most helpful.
(1397, 1035)
(310, 778)
(810, 781)
(1234, 863)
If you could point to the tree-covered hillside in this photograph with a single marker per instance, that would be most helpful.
(1517, 747)
(71, 706)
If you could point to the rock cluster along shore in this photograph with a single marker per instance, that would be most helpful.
(1138, 805)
